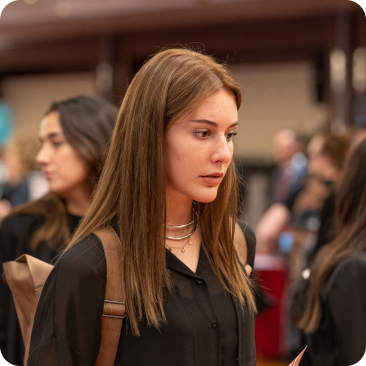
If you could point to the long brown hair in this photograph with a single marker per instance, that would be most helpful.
(350, 220)
(336, 148)
(133, 183)
(87, 124)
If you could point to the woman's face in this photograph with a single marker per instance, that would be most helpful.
(65, 170)
(200, 149)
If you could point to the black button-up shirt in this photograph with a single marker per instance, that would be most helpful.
(204, 326)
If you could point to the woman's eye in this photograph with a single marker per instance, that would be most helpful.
(203, 133)
(230, 135)
(56, 143)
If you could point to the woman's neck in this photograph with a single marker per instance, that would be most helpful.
(179, 211)
(78, 202)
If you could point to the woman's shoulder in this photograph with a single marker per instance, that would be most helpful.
(21, 221)
(84, 257)
(351, 266)
(15, 234)
(67, 323)
(350, 272)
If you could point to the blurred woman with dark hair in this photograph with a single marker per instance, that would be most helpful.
(335, 316)
(74, 136)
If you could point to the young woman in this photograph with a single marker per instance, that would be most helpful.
(169, 190)
(335, 316)
(74, 136)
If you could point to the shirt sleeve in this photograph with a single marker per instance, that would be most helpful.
(67, 325)
(347, 302)
(251, 245)
(251, 241)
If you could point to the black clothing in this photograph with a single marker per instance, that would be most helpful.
(205, 326)
(300, 293)
(18, 194)
(291, 199)
(326, 229)
(15, 234)
(341, 337)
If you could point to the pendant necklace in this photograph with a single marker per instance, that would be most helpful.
(194, 222)
(189, 241)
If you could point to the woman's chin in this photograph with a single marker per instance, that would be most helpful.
(207, 197)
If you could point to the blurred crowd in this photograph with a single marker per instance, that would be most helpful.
(311, 186)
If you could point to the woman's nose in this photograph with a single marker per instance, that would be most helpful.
(42, 157)
(223, 151)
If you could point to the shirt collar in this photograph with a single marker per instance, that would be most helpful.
(175, 264)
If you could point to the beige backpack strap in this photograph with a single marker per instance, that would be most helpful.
(114, 307)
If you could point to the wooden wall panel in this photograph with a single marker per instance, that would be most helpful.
(70, 55)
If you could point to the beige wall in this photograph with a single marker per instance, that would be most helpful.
(30, 96)
(275, 96)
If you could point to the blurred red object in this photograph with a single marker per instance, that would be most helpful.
(271, 275)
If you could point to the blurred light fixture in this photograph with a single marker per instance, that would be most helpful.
(338, 69)
(63, 9)
(359, 69)
(30, 2)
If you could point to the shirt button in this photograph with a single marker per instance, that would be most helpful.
(199, 281)
(214, 324)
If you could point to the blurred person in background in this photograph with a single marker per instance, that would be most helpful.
(329, 168)
(291, 168)
(311, 224)
(335, 317)
(74, 136)
(325, 235)
(22, 170)
(327, 155)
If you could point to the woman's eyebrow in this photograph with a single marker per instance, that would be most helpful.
(50, 136)
(54, 134)
(210, 122)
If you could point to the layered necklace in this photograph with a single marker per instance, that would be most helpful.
(173, 236)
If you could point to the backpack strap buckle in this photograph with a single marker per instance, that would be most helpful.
(114, 309)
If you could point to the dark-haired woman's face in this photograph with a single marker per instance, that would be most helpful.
(65, 170)
(200, 148)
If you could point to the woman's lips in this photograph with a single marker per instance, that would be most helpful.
(212, 179)
(47, 175)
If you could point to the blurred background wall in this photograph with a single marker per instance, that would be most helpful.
(30, 95)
